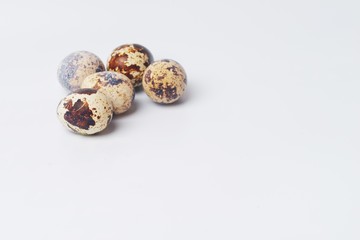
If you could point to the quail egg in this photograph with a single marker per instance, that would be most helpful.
(85, 111)
(130, 60)
(76, 66)
(116, 86)
(164, 81)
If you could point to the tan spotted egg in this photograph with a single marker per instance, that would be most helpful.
(164, 81)
(85, 111)
(116, 86)
(130, 60)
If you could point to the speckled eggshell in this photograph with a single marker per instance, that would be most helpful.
(76, 67)
(85, 111)
(116, 86)
(130, 60)
(164, 81)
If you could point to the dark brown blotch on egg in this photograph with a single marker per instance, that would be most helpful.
(79, 114)
(161, 77)
(124, 61)
(170, 92)
(158, 92)
(174, 69)
(117, 61)
(148, 76)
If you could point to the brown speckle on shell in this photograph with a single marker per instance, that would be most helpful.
(148, 76)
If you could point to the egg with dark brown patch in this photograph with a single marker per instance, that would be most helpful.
(85, 111)
(76, 67)
(130, 60)
(116, 86)
(164, 81)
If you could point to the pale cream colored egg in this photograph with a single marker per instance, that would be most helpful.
(85, 111)
(76, 67)
(116, 86)
(164, 81)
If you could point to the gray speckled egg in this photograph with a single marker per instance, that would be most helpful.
(130, 60)
(85, 111)
(164, 81)
(76, 67)
(116, 86)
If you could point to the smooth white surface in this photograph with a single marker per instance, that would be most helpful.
(265, 144)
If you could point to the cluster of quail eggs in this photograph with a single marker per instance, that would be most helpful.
(98, 92)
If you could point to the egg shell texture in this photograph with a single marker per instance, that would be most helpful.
(164, 81)
(116, 86)
(130, 60)
(76, 67)
(86, 111)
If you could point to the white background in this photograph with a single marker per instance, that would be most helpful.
(264, 145)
